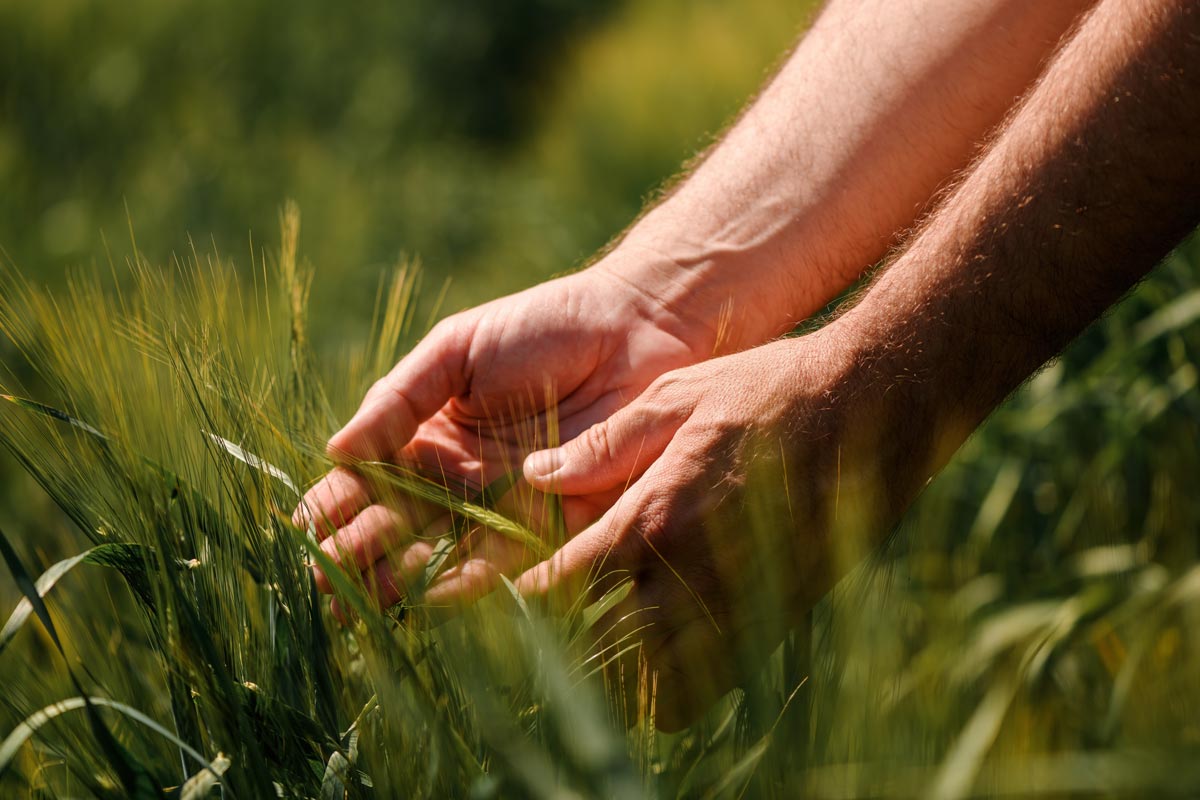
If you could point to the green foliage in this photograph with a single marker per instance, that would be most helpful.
(1029, 631)
(500, 141)
(202, 116)
(170, 448)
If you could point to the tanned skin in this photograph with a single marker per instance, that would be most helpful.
(1093, 177)
(780, 216)
(1089, 184)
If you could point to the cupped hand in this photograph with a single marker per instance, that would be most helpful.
(742, 468)
(471, 400)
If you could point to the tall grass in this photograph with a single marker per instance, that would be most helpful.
(1030, 630)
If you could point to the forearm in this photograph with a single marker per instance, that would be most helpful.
(878, 105)
(1088, 186)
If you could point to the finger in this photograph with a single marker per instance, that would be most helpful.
(485, 557)
(608, 454)
(390, 579)
(386, 582)
(340, 612)
(373, 532)
(570, 571)
(582, 510)
(333, 502)
(423, 381)
(593, 559)
(638, 531)
(477, 574)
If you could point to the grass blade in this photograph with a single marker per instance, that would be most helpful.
(53, 413)
(254, 461)
(30, 725)
(116, 555)
(136, 780)
(420, 487)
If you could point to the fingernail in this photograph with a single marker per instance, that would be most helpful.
(542, 465)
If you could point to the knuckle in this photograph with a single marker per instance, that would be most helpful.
(663, 387)
(442, 327)
(597, 441)
(667, 399)
(653, 522)
(635, 541)
(380, 388)
(445, 330)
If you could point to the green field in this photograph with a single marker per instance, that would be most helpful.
(1029, 630)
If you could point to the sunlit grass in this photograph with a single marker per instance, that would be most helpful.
(1029, 631)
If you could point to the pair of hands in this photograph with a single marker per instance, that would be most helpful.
(708, 483)
(729, 489)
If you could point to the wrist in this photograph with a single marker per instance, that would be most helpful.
(737, 296)
(898, 410)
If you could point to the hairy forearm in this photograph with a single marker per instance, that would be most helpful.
(1088, 185)
(880, 103)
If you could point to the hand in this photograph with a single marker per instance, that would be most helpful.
(742, 469)
(470, 401)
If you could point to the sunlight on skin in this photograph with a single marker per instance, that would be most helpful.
(604, 357)
(877, 400)
(872, 405)
(696, 274)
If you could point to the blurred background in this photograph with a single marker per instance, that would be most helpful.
(497, 142)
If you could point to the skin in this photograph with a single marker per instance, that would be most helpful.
(1034, 244)
(774, 222)
(739, 488)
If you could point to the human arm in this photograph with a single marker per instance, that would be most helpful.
(761, 477)
(877, 106)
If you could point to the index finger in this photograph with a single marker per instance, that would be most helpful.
(416, 388)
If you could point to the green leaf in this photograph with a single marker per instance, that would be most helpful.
(54, 413)
(207, 518)
(442, 551)
(420, 487)
(339, 770)
(116, 555)
(133, 776)
(254, 461)
(517, 598)
(740, 773)
(966, 757)
(30, 725)
(596, 611)
(1174, 316)
(276, 723)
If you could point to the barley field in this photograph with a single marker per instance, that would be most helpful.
(177, 343)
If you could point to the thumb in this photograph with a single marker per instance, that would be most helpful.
(424, 380)
(606, 552)
(608, 455)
